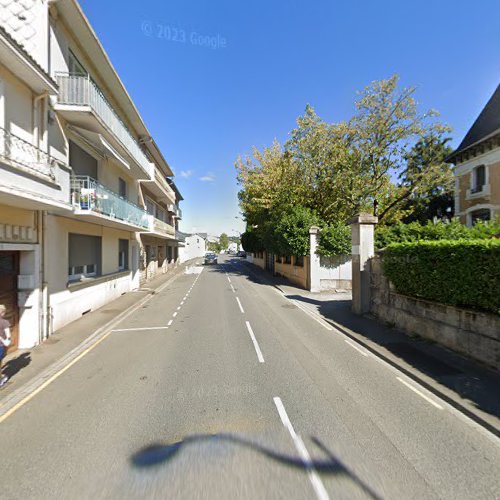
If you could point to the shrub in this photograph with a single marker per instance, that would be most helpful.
(290, 233)
(463, 273)
(251, 242)
(454, 230)
(334, 240)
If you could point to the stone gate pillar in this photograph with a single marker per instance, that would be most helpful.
(363, 248)
(314, 261)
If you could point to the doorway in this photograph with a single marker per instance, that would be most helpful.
(9, 271)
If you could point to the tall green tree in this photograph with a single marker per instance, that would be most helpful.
(224, 241)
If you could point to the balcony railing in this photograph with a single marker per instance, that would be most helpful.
(82, 91)
(87, 194)
(24, 156)
(159, 226)
(178, 213)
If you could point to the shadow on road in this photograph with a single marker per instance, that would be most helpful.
(15, 365)
(158, 454)
(471, 381)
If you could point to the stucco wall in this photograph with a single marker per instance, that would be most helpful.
(299, 275)
(69, 301)
(469, 332)
(258, 261)
(194, 247)
(335, 273)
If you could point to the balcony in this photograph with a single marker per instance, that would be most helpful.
(81, 102)
(160, 228)
(25, 157)
(99, 205)
(175, 210)
(160, 188)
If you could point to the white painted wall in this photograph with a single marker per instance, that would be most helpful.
(195, 247)
(334, 270)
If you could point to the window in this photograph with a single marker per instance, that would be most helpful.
(150, 206)
(288, 259)
(84, 256)
(299, 261)
(122, 188)
(81, 162)
(122, 255)
(161, 214)
(479, 179)
(74, 66)
(481, 214)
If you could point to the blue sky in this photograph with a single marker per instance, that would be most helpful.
(205, 106)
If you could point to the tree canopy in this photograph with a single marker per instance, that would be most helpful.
(388, 159)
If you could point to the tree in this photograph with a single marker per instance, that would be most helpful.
(388, 159)
(389, 134)
(224, 241)
(291, 231)
(433, 196)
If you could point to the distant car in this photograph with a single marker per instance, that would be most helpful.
(210, 258)
(241, 253)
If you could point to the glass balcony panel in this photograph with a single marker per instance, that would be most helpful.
(88, 194)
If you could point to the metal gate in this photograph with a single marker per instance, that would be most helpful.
(270, 262)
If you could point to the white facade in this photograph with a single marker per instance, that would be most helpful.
(86, 210)
(195, 246)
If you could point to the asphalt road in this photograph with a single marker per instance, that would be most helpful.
(220, 387)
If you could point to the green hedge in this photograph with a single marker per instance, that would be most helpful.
(463, 273)
(334, 240)
(454, 230)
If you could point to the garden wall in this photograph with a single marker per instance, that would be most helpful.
(475, 334)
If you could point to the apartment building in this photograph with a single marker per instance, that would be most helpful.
(88, 209)
(477, 167)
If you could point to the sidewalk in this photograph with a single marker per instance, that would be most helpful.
(468, 386)
(26, 365)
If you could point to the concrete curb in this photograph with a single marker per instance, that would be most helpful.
(28, 388)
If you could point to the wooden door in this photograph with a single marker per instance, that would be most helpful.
(9, 270)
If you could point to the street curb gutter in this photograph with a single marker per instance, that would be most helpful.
(16, 397)
(467, 412)
(413, 376)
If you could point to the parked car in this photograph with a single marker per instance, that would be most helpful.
(210, 258)
(242, 253)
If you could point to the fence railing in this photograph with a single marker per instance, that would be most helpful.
(25, 156)
(159, 226)
(88, 194)
(80, 90)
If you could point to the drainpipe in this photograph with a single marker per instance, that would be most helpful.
(44, 296)
(36, 125)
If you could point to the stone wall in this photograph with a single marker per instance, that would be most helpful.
(475, 334)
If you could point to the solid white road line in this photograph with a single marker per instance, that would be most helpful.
(354, 346)
(232, 288)
(170, 322)
(139, 329)
(421, 394)
(317, 484)
(255, 343)
(323, 323)
(229, 279)
(239, 304)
